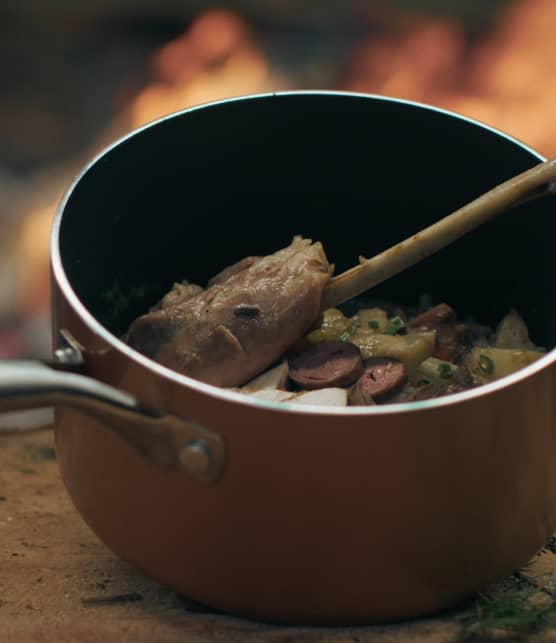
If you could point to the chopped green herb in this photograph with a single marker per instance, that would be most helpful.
(423, 382)
(515, 613)
(486, 364)
(425, 301)
(394, 325)
(348, 333)
(373, 323)
(445, 370)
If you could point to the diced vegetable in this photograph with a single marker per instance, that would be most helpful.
(394, 326)
(333, 324)
(488, 364)
(512, 332)
(274, 378)
(272, 395)
(322, 397)
(411, 349)
(350, 332)
(374, 319)
(433, 370)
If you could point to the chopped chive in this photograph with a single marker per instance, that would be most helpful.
(423, 382)
(394, 325)
(373, 323)
(445, 370)
(348, 333)
(486, 364)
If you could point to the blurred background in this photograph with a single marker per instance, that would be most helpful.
(75, 76)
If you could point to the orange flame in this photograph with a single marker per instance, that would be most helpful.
(507, 80)
(216, 58)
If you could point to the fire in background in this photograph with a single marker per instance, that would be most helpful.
(503, 75)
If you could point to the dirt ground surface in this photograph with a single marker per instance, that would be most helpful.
(59, 583)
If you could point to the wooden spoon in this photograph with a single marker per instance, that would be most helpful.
(421, 245)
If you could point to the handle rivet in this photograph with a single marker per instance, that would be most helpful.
(195, 456)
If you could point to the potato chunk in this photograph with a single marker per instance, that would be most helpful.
(438, 371)
(512, 332)
(411, 349)
(371, 319)
(323, 397)
(489, 364)
(332, 325)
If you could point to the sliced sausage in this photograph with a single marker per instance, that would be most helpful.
(328, 364)
(440, 319)
(382, 378)
(447, 342)
(430, 391)
(435, 315)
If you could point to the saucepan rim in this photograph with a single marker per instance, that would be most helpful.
(224, 394)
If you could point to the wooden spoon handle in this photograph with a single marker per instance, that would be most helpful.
(421, 245)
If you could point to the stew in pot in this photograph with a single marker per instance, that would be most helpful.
(258, 328)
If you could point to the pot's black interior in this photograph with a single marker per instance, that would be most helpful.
(191, 194)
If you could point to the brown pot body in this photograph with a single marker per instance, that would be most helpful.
(340, 517)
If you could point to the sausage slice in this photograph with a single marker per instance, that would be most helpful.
(447, 342)
(328, 364)
(435, 315)
(440, 319)
(431, 391)
(382, 377)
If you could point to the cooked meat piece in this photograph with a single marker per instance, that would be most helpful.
(229, 271)
(382, 378)
(435, 315)
(325, 365)
(441, 319)
(447, 341)
(180, 292)
(432, 390)
(210, 338)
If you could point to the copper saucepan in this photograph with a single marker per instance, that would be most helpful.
(299, 515)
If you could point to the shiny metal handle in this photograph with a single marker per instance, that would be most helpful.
(163, 438)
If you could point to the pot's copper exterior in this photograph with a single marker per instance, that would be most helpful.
(320, 518)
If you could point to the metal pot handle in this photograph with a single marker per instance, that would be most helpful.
(164, 439)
